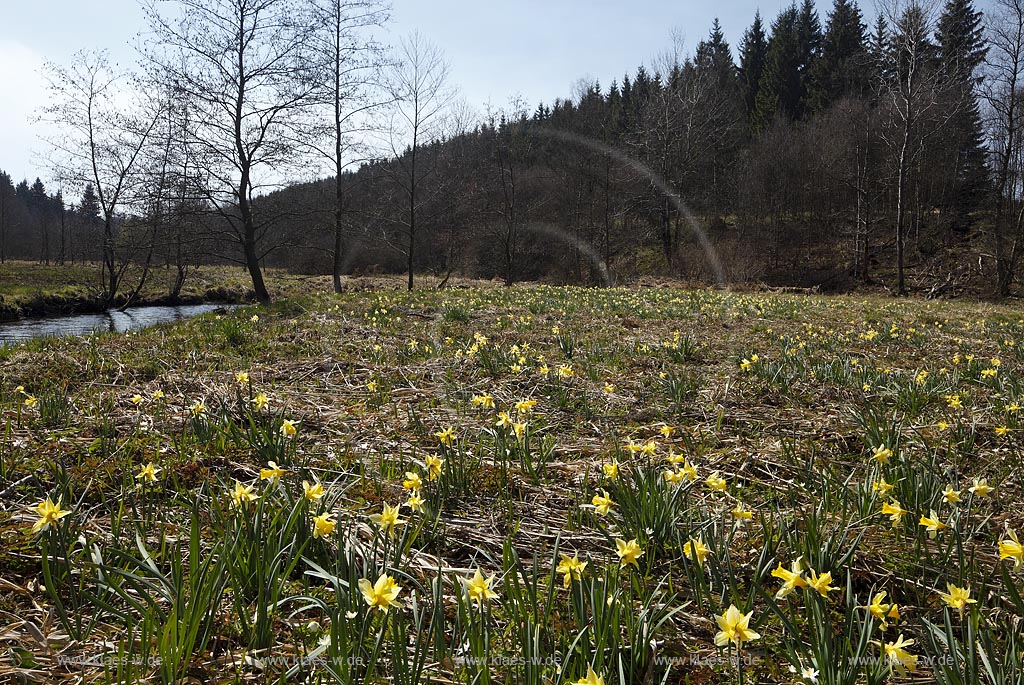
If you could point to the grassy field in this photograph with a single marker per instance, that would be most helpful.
(528, 485)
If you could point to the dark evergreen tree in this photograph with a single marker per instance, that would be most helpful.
(961, 51)
(779, 91)
(753, 55)
(714, 56)
(842, 69)
(809, 38)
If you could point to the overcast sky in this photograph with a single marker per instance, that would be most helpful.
(537, 49)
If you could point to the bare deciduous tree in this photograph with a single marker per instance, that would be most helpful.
(243, 63)
(418, 83)
(1003, 82)
(104, 130)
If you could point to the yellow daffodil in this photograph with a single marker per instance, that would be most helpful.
(504, 420)
(951, 495)
(1011, 548)
(897, 653)
(49, 513)
(158, 394)
(882, 488)
(695, 550)
(609, 388)
(981, 488)
(628, 552)
(741, 515)
(734, 627)
(323, 525)
(591, 678)
(674, 477)
(148, 473)
(273, 472)
(957, 597)
(602, 502)
(570, 568)
(883, 611)
(479, 588)
(690, 471)
(242, 378)
(415, 502)
(525, 406)
(412, 481)
(519, 429)
(381, 595)
(260, 401)
(242, 494)
(715, 482)
(136, 400)
(446, 436)
(388, 520)
(894, 511)
(312, 491)
(932, 524)
(565, 371)
(485, 401)
(822, 583)
(198, 408)
(31, 401)
(666, 431)
(792, 578)
(434, 466)
(611, 470)
(288, 428)
(882, 454)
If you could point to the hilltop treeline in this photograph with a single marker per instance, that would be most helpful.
(824, 151)
(805, 159)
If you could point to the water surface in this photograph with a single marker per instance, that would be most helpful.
(110, 320)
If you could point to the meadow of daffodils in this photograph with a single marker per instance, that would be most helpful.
(530, 485)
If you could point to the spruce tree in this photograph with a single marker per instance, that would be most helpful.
(961, 51)
(714, 56)
(842, 69)
(778, 92)
(809, 40)
(753, 55)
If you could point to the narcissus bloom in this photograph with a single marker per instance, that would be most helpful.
(446, 436)
(519, 429)
(882, 454)
(602, 502)
(288, 428)
(734, 627)
(565, 371)
(1010, 548)
(49, 513)
(690, 470)
(136, 400)
(312, 491)
(609, 388)
(950, 495)
(570, 568)
(695, 550)
(198, 408)
(591, 678)
(611, 470)
(242, 494)
(981, 488)
(666, 431)
(674, 477)
(434, 466)
(525, 406)
(31, 401)
(715, 482)
(894, 511)
(148, 473)
(158, 394)
(388, 519)
(242, 377)
(260, 401)
(897, 653)
(415, 502)
(485, 401)
(381, 595)
(412, 481)
(932, 524)
(628, 552)
(504, 420)
(273, 472)
(882, 488)
(883, 611)
(479, 588)
(957, 597)
(742, 515)
(323, 525)
(822, 583)
(792, 578)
